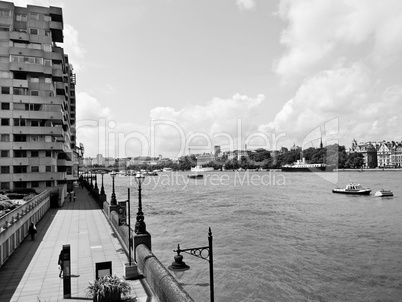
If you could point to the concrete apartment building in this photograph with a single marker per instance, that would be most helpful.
(37, 101)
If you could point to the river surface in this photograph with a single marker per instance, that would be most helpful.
(277, 236)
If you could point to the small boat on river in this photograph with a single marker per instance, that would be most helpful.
(352, 188)
(384, 193)
(195, 176)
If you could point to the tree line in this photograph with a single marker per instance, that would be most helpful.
(333, 155)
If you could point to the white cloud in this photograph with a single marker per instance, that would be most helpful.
(346, 54)
(73, 47)
(319, 31)
(246, 4)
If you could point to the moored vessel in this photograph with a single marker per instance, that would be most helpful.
(201, 169)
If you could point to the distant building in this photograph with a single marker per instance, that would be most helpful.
(369, 152)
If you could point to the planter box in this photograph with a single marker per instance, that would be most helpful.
(130, 271)
(111, 297)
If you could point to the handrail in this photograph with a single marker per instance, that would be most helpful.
(14, 215)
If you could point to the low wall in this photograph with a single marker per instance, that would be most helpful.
(162, 283)
(14, 225)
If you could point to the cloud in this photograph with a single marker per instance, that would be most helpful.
(319, 31)
(74, 49)
(171, 131)
(46, 3)
(246, 4)
(346, 57)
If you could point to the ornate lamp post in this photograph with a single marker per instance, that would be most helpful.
(96, 180)
(91, 177)
(102, 188)
(140, 227)
(205, 252)
(113, 200)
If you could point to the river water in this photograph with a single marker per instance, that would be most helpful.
(277, 236)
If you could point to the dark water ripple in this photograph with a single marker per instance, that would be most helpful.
(287, 240)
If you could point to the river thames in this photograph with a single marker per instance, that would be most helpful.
(277, 236)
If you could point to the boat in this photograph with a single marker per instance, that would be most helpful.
(301, 166)
(195, 176)
(384, 193)
(202, 169)
(167, 170)
(352, 188)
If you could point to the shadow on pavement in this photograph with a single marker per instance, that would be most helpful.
(14, 268)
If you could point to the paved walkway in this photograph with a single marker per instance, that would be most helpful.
(31, 273)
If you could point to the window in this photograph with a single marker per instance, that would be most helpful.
(35, 169)
(34, 153)
(35, 46)
(20, 169)
(19, 122)
(47, 33)
(21, 17)
(5, 74)
(34, 123)
(39, 61)
(34, 184)
(5, 90)
(34, 79)
(47, 62)
(48, 183)
(5, 13)
(5, 122)
(47, 47)
(33, 31)
(5, 169)
(20, 91)
(4, 28)
(48, 153)
(5, 137)
(4, 153)
(4, 185)
(48, 80)
(20, 153)
(33, 16)
(20, 138)
(5, 106)
(47, 18)
(35, 92)
(48, 168)
(20, 45)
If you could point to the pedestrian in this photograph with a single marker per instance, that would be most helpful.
(74, 195)
(60, 264)
(32, 230)
(70, 196)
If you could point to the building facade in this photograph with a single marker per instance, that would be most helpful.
(38, 105)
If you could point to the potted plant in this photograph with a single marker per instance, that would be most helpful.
(108, 289)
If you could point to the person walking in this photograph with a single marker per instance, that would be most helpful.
(74, 196)
(32, 230)
(60, 264)
(70, 193)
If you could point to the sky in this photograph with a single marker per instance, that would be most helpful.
(175, 77)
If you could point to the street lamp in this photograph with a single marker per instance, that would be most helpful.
(129, 226)
(140, 227)
(102, 188)
(96, 180)
(113, 200)
(205, 252)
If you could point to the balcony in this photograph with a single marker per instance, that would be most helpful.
(20, 161)
(19, 36)
(37, 115)
(53, 131)
(39, 176)
(56, 146)
(57, 31)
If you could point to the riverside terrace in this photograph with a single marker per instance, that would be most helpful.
(31, 273)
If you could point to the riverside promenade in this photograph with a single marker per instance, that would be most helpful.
(31, 273)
